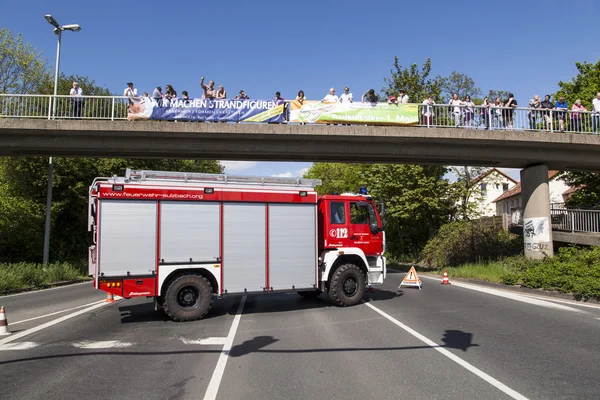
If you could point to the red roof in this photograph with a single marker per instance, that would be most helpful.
(517, 189)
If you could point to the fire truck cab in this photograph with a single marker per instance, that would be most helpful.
(186, 238)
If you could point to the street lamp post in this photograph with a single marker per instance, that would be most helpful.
(58, 31)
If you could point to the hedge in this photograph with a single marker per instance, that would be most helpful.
(35, 276)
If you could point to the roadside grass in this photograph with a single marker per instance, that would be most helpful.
(26, 276)
(490, 272)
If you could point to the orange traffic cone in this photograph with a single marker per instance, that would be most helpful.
(445, 280)
(3, 323)
(110, 298)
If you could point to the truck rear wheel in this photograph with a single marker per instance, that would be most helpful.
(187, 298)
(347, 285)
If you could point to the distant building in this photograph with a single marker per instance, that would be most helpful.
(509, 202)
(488, 186)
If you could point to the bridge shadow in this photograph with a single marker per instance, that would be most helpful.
(453, 339)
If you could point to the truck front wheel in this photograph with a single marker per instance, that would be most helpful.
(187, 298)
(347, 285)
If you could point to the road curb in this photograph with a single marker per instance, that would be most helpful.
(515, 288)
(46, 286)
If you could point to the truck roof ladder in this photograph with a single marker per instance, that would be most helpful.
(218, 179)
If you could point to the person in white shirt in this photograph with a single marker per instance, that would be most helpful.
(427, 111)
(455, 104)
(403, 97)
(331, 97)
(346, 97)
(77, 100)
(130, 91)
(596, 112)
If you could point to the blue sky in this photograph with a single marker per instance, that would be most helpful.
(266, 46)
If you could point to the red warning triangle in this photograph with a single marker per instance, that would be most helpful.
(411, 279)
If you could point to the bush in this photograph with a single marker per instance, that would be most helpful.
(36, 276)
(572, 270)
(464, 242)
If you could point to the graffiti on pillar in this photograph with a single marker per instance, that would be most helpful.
(536, 234)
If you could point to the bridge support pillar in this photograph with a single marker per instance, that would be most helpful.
(537, 224)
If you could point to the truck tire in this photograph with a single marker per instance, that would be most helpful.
(188, 297)
(310, 294)
(347, 285)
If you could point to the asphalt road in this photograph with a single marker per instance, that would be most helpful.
(443, 342)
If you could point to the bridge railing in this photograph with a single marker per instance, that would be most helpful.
(566, 219)
(435, 115)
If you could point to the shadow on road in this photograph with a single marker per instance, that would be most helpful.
(453, 339)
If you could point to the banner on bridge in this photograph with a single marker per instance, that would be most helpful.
(352, 113)
(145, 108)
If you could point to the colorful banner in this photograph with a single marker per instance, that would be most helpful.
(354, 113)
(146, 108)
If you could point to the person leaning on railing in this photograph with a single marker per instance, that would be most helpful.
(427, 111)
(548, 106)
(76, 100)
(533, 115)
(562, 105)
(576, 115)
(596, 113)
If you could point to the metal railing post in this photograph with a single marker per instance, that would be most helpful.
(112, 112)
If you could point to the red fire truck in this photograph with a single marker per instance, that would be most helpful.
(185, 238)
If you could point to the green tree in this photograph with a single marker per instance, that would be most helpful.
(22, 67)
(458, 83)
(417, 83)
(583, 86)
(65, 83)
(492, 94)
(588, 183)
(337, 177)
(417, 202)
(466, 191)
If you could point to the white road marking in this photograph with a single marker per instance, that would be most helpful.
(18, 346)
(38, 328)
(511, 295)
(215, 380)
(106, 344)
(54, 313)
(489, 379)
(45, 290)
(211, 341)
(571, 302)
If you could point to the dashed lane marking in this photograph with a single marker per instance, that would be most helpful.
(211, 341)
(18, 346)
(106, 344)
(215, 380)
(469, 367)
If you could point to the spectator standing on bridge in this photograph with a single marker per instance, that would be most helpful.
(596, 113)
(576, 115)
(403, 97)
(76, 100)
(485, 112)
(497, 113)
(209, 91)
(242, 96)
(370, 96)
(468, 111)
(547, 105)
(509, 110)
(533, 114)
(301, 98)
(331, 97)
(171, 93)
(346, 97)
(455, 104)
(221, 93)
(130, 91)
(427, 111)
(158, 95)
(561, 106)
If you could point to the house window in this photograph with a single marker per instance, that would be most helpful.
(497, 186)
(483, 188)
(505, 187)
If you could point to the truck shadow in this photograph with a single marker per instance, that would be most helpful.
(255, 304)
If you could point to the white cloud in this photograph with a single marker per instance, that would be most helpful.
(284, 175)
(303, 171)
(237, 165)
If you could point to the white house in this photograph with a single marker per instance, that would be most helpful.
(491, 184)
(510, 200)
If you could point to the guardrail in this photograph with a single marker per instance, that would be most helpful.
(430, 116)
(566, 219)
